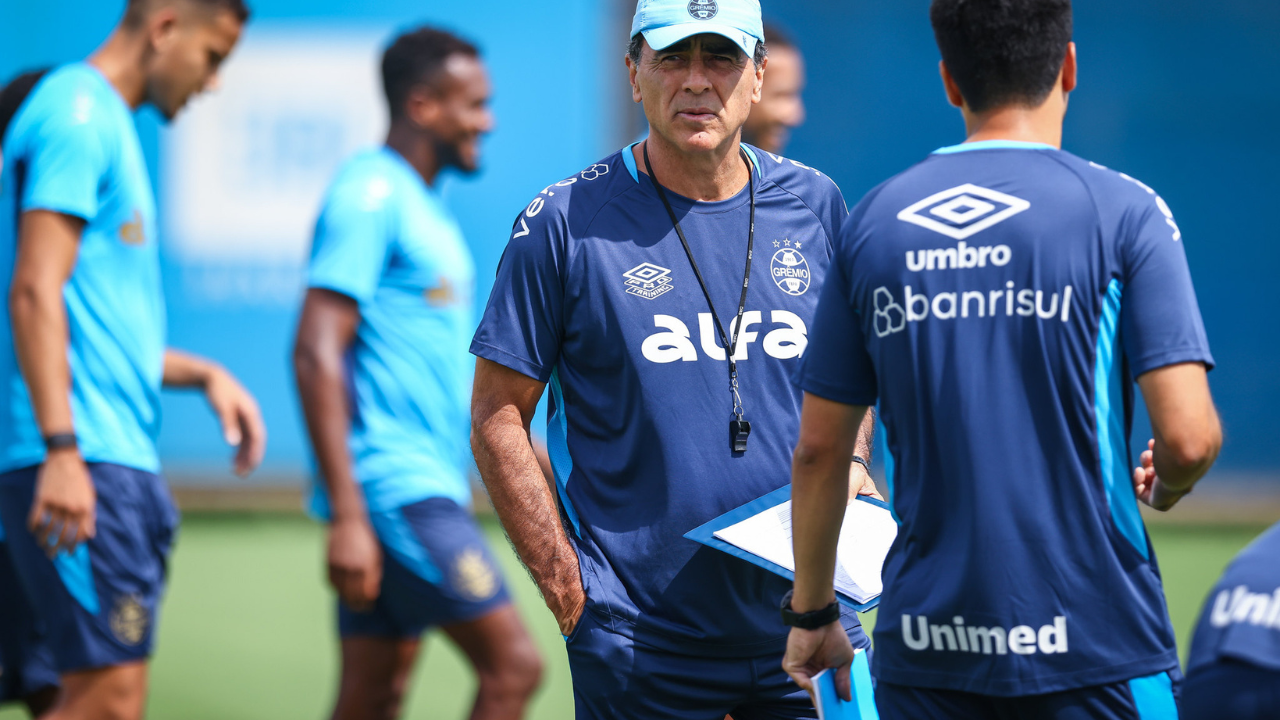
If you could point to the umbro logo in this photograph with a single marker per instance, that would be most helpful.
(963, 211)
(648, 281)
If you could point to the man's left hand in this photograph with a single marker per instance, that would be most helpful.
(809, 652)
(241, 420)
(860, 483)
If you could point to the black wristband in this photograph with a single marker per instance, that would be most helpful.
(809, 620)
(863, 462)
(60, 441)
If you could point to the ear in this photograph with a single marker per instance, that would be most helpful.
(423, 107)
(632, 69)
(1069, 69)
(758, 92)
(949, 83)
(162, 27)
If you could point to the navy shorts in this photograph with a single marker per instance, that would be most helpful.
(26, 663)
(1148, 698)
(617, 678)
(436, 570)
(1230, 690)
(99, 604)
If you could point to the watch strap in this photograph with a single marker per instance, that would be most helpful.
(808, 620)
(60, 441)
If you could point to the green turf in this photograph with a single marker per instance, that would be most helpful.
(247, 627)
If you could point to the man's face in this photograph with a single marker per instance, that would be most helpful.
(461, 116)
(781, 108)
(697, 93)
(190, 43)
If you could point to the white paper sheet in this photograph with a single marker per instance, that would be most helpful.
(865, 537)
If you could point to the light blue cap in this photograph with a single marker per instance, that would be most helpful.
(667, 22)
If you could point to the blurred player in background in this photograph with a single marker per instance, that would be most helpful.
(384, 377)
(781, 106)
(1234, 669)
(27, 672)
(623, 289)
(999, 300)
(89, 522)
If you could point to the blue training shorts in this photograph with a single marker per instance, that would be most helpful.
(436, 570)
(26, 662)
(617, 678)
(1231, 690)
(1149, 698)
(98, 604)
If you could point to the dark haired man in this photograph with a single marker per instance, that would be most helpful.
(998, 300)
(623, 289)
(384, 377)
(27, 673)
(88, 519)
(781, 107)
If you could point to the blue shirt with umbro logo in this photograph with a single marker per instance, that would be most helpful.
(997, 301)
(596, 297)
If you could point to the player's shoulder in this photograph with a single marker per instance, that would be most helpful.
(71, 96)
(571, 203)
(808, 183)
(1108, 186)
(369, 180)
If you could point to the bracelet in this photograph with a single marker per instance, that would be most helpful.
(809, 620)
(863, 462)
(60, 441)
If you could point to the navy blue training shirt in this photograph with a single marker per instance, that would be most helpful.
(1241, 620)
(997, 300)
(596, 297)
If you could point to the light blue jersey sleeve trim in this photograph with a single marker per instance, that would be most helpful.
(1108, 407)
(993, 145)
(1153, 696)
(629, 159)
(558, 450)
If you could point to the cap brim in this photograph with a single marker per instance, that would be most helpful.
(665, 37)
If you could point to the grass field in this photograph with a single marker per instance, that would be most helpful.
(247, 628)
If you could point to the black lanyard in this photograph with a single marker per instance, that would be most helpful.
(739, 429)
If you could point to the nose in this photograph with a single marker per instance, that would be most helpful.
(697, 81)
(488, 122)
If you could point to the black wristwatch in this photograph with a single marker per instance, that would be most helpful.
(863, 462)
(809, 620)
(59, 441)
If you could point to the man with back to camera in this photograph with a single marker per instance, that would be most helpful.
(27, 674)
(1234, 669)
(623, 287)
(998, 300)
(383, 373)
(88, 519)
(781, 107)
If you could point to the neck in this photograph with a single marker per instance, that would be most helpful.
(416, 148)
(122, 60)
(705, 177)
(1038, 125)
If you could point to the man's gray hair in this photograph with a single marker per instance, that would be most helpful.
(636, 48)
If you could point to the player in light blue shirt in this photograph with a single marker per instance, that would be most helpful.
(88, 519)
(384, 377)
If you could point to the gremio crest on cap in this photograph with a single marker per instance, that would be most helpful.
(703, 9)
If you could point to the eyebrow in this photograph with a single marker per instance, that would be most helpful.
(717, 46)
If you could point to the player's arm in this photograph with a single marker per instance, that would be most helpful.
(502, 406)
(819, 493)
(1188, 434)
(326, 329)
(860, 482)
(48, 244)
(237, 411)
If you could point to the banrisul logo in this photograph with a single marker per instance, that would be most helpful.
(703, 9)
(963, 211)
(790, 271)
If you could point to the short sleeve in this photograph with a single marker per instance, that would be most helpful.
(352, 239)
(1159, 316)
(836, 365)
(65, 164)
(523, 324)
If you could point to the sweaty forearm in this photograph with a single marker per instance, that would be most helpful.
(323, 391)
(819, 494)
(525, 504)
(39, 319)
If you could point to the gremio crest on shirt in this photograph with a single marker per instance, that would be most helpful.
(648, 281)
(703, 9)
(790, 270)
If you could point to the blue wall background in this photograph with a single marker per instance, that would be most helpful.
(1180, 94)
